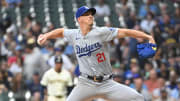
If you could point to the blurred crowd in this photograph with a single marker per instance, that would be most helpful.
(23, 62)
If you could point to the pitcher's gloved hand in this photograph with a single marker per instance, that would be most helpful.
(146, 50)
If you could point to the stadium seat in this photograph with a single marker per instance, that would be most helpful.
(80, 3)
(39, 10)
(113, 16)
(24, 9)
(69, 14)
(54, 14)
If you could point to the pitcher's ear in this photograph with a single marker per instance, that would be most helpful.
(78, 19)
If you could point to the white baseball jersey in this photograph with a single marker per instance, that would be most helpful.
(57, 82)
(91, 50)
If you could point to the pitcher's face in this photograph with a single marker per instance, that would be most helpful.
(86, 18)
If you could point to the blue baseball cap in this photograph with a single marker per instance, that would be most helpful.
(83, 10)
(18, 48)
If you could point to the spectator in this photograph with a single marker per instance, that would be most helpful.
(164, 8)
(176, 92)
(132, 48)
(152, 81)
(3, 92)
(147, 68)
(137, 76)
(36, 29)
(17, 67)
(138, 81)
(3, 52)
(131, 20)
(112, 50)
(172, 80)
(27, 24)
(123, 10)
(124, 7)
(11, 27)
(147, 7)
(163, 71)
(48, 50)
(157, 33)
(122, 50)
(50, 26)
(164, 96)
(165, 22)
(3, 3)
(15, 62)
(33, 60)
(134, 69)
(148, 23)
(173, 37)
(18, 87)
(13, 3)
(5, 75)
(161, 85)
(5, 24)
(177, 15)
(102, 9)
(116, 69)
(34, 86)
(172, 63)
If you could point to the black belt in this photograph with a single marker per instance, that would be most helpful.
(98, 78)
(57, 96)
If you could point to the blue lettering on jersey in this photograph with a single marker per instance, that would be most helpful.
(88, 49)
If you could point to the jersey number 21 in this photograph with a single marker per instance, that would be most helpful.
(100, 57)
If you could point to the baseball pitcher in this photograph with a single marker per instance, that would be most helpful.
(90, 45)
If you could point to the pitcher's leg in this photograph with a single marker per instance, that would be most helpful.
(119, 92)
(81, 92)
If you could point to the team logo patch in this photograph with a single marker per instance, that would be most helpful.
(112, 29)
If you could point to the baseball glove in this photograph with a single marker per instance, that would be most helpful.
(146, 50)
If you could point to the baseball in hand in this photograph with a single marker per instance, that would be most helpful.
(40, 38)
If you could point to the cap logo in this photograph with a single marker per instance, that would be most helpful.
(58, 58)
(86, 7)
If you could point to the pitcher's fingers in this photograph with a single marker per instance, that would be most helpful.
(42, 41)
